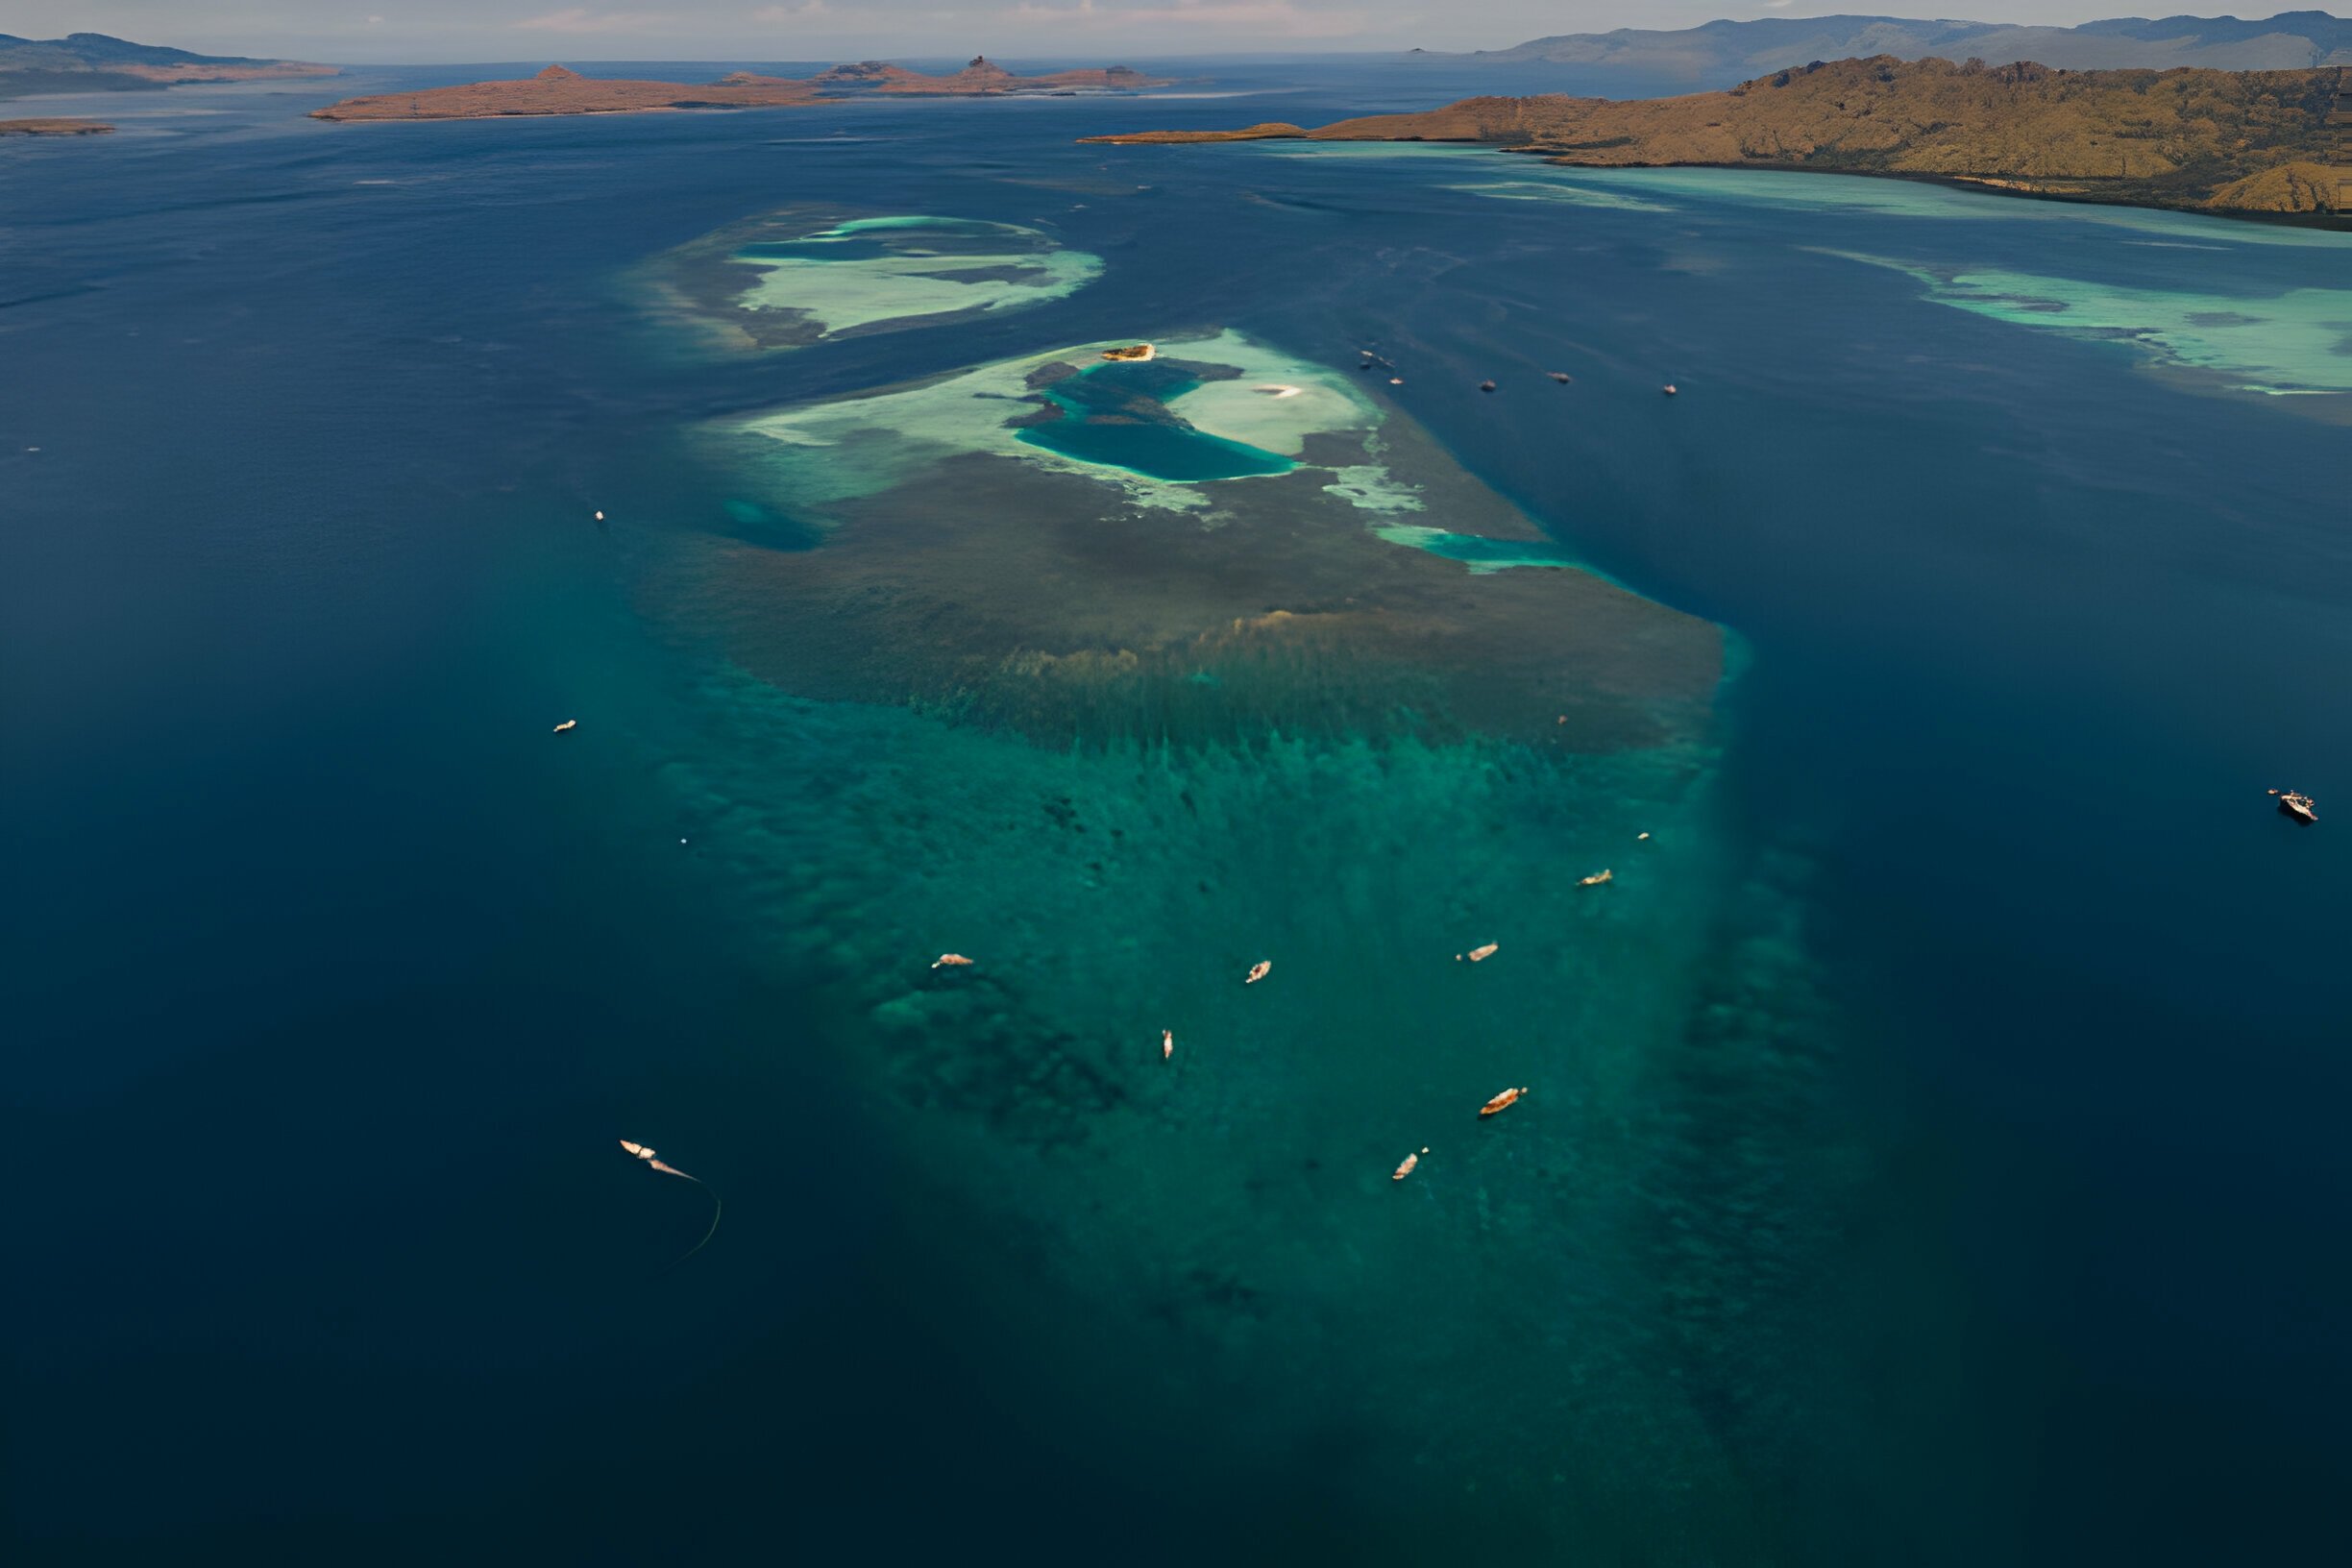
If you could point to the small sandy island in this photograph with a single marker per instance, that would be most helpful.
(560, 90)
(54, 128)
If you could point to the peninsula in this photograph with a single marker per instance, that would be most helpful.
(558, 91)
(2203, 140)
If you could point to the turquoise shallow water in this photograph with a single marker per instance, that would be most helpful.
(1160, 450)
(1928, 1125)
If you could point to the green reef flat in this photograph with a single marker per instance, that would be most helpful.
(802, 276)
(992, 545)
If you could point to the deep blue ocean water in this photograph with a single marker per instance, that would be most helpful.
(332, 976)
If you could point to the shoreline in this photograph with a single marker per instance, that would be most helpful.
(1991, 185)
(1988, 183)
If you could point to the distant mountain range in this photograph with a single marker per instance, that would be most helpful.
(1721, 54)
(93, 63)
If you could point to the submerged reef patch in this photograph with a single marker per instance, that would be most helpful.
(2297, 342)
(801, 275)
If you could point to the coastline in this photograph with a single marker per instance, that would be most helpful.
(1994, 185)
(1991, 185)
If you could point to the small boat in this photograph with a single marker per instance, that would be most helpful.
(1259, 971)
(950, 961)
(1671, 389)
(565, 724)
(1168, 1043)
(1396, 381)
(2298, 805)
(1502, 1102)
(1479, 955)
(1406, 1168)
(642, 1152)
(599, 517)
(1597, 878)
(1485, 386)
(1133, 354)
(1560, 376)
(1641, 838)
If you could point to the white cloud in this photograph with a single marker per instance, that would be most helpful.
(1265, 18)
(580, 19)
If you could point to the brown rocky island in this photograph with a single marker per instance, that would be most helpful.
(54, 128)
(559, 90)
(2222, 141)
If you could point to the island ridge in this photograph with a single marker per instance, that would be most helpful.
(2220, 141)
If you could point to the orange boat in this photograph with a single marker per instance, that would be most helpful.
(1502, 1102)
(1596, 879)
(1168, 1043)
(1259, 971)
(1480, 955)
(950, 961)
(1406, 1168)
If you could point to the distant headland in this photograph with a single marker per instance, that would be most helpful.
(558, 91)
(94, 62)
(2236, 142)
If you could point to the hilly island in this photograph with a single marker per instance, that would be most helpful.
(560, 90)
(2221, 141)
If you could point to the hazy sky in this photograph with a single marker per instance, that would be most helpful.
(359, 30)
